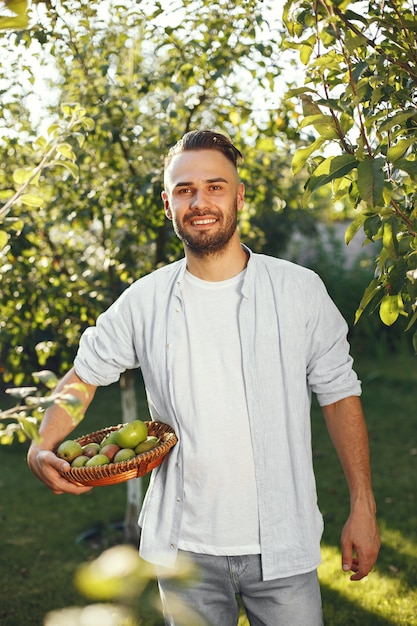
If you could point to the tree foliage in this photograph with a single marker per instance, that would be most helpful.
(359, 98)
(144, 75)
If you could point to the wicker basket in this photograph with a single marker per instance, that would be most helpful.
(113, 473)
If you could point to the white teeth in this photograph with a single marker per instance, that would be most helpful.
(207, 221)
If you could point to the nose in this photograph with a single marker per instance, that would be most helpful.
(199, 199)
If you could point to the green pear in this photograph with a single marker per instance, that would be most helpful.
(124, 455)
(91, 449)
(98, 459)
(131, 434)
(79, 461)
(68, 450)
(149, 443)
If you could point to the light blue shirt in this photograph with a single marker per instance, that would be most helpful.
(293, 344)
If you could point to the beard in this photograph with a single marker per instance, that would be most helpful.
(204, 243)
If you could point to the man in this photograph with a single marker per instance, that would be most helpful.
(231, 345)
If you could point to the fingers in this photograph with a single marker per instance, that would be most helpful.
(360, 543)
(359, 572)
(47, 467)
(359, 564)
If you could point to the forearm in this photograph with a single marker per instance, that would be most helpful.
(360, 536)
(347, 428)
(57, 423)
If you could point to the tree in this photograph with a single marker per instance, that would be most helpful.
(143, 82)
(359, 99)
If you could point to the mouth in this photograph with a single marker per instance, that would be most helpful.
(203, 221)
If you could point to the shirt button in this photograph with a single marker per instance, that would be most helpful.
(168, 345)
(177, 310)
(172, 546)
(178, 499)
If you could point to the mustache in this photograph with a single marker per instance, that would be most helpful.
(192, 213)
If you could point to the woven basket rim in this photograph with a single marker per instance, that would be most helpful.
(113, 473)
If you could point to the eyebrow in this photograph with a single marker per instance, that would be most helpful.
(219, 179)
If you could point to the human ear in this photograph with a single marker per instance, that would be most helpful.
(240, 196)
(167, 207)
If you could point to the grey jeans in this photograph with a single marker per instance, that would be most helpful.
(210, 599)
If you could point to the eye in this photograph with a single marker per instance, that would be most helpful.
(215, 187)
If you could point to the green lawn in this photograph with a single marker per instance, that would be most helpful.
(45, 537)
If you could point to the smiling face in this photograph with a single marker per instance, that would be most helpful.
(202, 197)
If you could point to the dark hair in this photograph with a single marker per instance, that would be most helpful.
(205, 140)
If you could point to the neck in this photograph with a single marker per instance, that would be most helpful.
(220, 266)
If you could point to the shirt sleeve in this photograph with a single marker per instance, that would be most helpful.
(107, 349)
(330, 366)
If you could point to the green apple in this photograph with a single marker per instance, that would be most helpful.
(125, 454)
(79, 461)
(68, 450)
(91, 449)
(131, 434)
(98, 459)
(149, 443)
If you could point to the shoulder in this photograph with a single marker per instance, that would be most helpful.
(283, 269)
(160, 279)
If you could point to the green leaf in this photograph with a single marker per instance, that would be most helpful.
(371, 181)
(54, 130)
(70, 108)
(39, 402)
(72, 168)
(306, 49)
(4, 238)
(412, 321)
(331, 168)
(371, 290)
(73, 405)
(297, 91)
(41, 143)
(22, 175)
(399, 149)
(372, 226)
(398, 119)
(87, 123)
(5, 194)
(48, 378)
(30, 199)
(17, 6)
(30, 428)
(390, 309)
(407, 166)
(354, 228)
(20, 20)
(309, 106)
(20, 392)
(302, 154)
(389, 240)
(66, 150)
(323, 124)
(14, 223)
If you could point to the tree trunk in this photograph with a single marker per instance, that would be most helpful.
(134, 486)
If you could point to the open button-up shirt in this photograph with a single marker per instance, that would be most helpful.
(294, 344)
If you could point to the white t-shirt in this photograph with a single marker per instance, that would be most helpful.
(220, 501)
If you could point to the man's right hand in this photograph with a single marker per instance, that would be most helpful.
(47, 467)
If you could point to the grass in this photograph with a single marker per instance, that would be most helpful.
(45, 537)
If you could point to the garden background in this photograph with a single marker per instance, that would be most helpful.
(321, 99)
